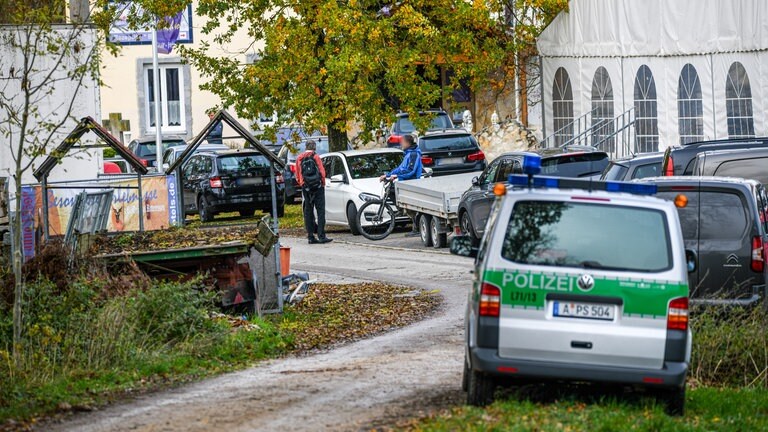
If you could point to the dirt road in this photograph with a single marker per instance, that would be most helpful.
(365, 384)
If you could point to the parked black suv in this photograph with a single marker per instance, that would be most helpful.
(475, 204)
(451, 151)
(227, 181)
(145, 147)
(404, 126)
(635, 167)
(724, 223)
(679, 160)
(751, 163)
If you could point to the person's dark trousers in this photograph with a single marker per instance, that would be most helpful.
(314, 201)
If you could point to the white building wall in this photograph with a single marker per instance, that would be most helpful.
(81, 164)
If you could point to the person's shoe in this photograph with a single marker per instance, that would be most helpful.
(413, 234)
(313, 240)
(324, 240)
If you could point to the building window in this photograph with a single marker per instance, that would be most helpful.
(646, 112)
(562, 107)
(690, 109)
(172, 104)
(738, 102)
(602, 111)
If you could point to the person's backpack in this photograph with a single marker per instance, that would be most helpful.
(311, 173)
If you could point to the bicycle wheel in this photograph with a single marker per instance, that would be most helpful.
(376, 220)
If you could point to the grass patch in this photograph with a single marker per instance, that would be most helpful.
(293, 218)
(82, 348)
(707, 409)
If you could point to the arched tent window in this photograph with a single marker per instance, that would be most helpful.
(602, 110)
(738, 103)
(690, 109)
(646, 112)
(562, 107)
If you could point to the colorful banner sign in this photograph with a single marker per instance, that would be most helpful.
(166, 37)
(121, 32)
(28, 222)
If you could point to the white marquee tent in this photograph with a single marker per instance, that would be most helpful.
(642, 75)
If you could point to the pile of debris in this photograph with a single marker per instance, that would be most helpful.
(508, 136)
(173, 238)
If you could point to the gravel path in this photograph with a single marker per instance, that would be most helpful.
(367, 384)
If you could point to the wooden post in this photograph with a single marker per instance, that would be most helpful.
(522, 78)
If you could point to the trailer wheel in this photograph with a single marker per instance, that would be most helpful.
(425, 229)
(439, 240)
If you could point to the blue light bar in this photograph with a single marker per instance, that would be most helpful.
(531, 164)
(590, 185)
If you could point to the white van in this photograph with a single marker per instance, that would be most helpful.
(578, 280)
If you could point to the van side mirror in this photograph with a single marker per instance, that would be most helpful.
(338, 178)
(462, 246)
(691, 260)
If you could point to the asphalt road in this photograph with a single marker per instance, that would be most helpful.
(371, 383)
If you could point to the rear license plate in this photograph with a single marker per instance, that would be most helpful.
(450, 161)
(250, 181)
(583, 310)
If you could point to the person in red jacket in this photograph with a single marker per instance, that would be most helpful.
(310, 175)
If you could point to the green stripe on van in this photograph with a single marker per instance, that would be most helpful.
(641, 297)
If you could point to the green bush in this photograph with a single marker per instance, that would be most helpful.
(730, 347)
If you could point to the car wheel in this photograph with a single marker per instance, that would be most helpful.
(465, 375)
(206, 215)
(352, 219)
(481, 389)
(466, 226)
(439, 240)
(674, 401)
(425, 230)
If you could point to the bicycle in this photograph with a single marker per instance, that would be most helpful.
(376, 218)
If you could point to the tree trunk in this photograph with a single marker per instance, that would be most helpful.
(18, 261)
(337, 139)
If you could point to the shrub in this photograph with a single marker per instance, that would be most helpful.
(730, 347)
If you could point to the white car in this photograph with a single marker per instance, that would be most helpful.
(351, 176)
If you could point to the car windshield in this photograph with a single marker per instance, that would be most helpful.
(440, 121)
(575, 165)
(451, 142)
(614, 171)
(241, 163)
(586, 235)
(322, 148)
(148, 149)
(373, 165)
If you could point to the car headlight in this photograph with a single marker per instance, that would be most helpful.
(368, 197)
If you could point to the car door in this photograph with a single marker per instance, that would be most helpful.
(189, 172)
(482, 196)
(334, 190)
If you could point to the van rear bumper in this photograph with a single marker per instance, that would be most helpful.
(487, 360)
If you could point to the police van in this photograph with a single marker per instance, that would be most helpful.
(578, 280)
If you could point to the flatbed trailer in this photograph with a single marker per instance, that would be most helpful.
(433, 203)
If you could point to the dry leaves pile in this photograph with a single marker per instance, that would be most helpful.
(332, 314)
(173, 238)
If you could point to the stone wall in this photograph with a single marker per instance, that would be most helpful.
(508, 136)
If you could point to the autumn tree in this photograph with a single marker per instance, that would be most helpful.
(49, 54)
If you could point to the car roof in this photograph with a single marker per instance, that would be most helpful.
(429, 111)
(444, 132)
(756, 151)
(642, 157)
(200, 148)
(757, 140)
(151, 138)
(578, 153)
(616, 198)
(704, 180)
(230, 152)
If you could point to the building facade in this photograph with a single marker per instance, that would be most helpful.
(639, 76)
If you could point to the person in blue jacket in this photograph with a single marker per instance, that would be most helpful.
(410, 168)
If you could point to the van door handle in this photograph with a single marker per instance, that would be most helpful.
(581, 345)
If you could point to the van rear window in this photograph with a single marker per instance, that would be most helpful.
(575, 165)
(587, 235)
(745, 168)
(723, 215)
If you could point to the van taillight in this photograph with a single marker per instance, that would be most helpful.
(476, 157)
(216, 182)
(490, 300)
(669, 169)
(677, 317)
(394, 140)
(758, 254)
